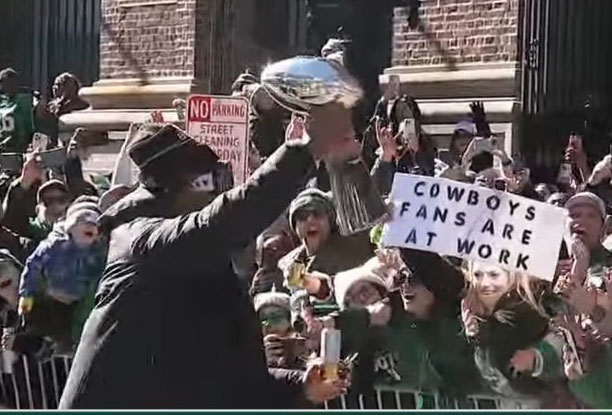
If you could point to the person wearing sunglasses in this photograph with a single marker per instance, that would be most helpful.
(323, 250)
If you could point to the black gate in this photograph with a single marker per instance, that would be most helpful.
(567, 59)
(42, 38)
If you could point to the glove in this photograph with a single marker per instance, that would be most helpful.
(480, 119)
(25, 305)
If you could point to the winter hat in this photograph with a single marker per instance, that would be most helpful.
(83, 210)
(51, 184)
(466, 125)
(245, 78)
(589, 199)
(313, 199)
(444, 285)
(272, 298)
(371, 271)
(333, 45)
(154, 143)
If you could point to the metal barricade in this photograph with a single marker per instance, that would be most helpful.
(34, 384)
(391, 397)
(37, 384)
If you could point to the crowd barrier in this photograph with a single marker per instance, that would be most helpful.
(34, 384)
(393, 397)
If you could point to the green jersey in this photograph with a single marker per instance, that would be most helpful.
(16, 122)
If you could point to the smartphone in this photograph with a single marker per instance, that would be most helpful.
(500, 184)
(11, 162)
(40, 142)
(51, 159)
(409, 135)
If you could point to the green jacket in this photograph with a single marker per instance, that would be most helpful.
(411, 353)
(16, 122)
(595, 387)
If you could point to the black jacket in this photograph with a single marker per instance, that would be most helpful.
(172, 327)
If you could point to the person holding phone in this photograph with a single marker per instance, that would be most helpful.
(402, 149)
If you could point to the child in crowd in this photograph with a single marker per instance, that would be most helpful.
(62, 274)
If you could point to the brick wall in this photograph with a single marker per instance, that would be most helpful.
(460, 31)
(151, 38)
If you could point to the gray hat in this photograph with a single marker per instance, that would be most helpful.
(313, 199)
(272, 298)
(587, 199)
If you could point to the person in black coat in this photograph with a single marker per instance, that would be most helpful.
(172, 327)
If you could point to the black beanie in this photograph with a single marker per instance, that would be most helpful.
(445, 281)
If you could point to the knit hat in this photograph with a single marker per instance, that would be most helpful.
(313, 199)
(589, 199)
(245, 78)
(51, 184)
(371, 271)
(154, 143)
(82, 211)
(272, 298)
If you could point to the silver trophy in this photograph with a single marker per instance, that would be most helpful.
(303, 82)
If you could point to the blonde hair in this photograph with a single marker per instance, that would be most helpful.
(521, 283)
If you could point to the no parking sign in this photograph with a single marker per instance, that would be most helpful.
(222, 122)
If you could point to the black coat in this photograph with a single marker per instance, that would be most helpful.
(172, 327)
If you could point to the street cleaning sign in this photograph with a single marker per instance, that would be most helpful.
(475, 223)
(222, 123)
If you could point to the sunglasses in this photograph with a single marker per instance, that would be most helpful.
(408, 279)
(274, 319)
(55, 200)
(303, 214)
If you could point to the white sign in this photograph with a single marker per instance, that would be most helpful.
(223, 124)
(477, 223)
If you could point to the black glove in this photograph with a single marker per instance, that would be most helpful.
(480, 119)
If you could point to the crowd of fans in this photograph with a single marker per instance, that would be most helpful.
(407, 318)
(425, 322)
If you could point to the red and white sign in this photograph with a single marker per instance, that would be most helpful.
(223, 124)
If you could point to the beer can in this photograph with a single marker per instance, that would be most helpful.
(331, 342)
(295, 277)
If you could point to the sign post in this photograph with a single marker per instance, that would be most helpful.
(222, 123)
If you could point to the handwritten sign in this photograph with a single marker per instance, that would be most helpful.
(476, 223)
(223, 124)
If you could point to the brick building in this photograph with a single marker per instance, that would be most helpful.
(532, 62)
